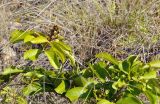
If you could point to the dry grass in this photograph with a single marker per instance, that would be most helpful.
(120, 27)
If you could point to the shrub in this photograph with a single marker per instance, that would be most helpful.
(108, 80)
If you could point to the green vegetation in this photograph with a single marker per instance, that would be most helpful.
(108, 55)
(107, 80)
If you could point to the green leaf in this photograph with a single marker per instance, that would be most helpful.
(9, 71)
(53, 59)
(51, 74)
(33, 74)
(145, 67)
(39, 40)
(81, 92)
(86, 73)
(119, 84)
(19, 35)
(71, 57)
(21, 100)
(132, 58)
(63, 45)
(137, 63)
(60, 53)
(137, 68)
(113, 69)
(124, 66)
(100, 71)
(154, 86)
(80, 81)
(153, 98)
(31, 89)
(135, 88)
(104, 101)
(28, 38)
(32, 54)
(149, 75)
(61, 88)
(107, 57)
(74, 93)
(155, 64)
(130, 99)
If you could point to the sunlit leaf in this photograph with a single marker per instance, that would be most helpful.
(63, 45)
(28, 38)
(9, 71)
(31, 89)
(61, 88)
(53, 59)
(71, 57)
(104, 101)
(74, 93)
(149, 75)
(19, 35)
(33, 74)
(77, 92)
(39, 40)
(60, 54)
(107, 57)
(119, 84)
(62, 51)
(21, 100)
(51, 74)
(130, 99)
(155, 64)
(32, 54)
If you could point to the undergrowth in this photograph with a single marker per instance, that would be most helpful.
(107, 80)
(119, 27)
(91, 26)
